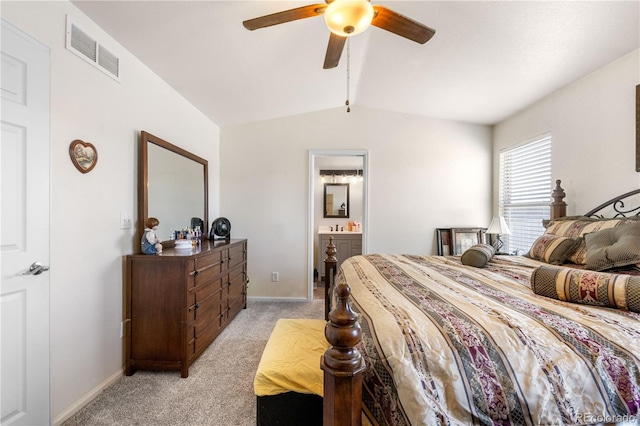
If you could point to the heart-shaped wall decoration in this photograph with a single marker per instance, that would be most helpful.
(83, 155)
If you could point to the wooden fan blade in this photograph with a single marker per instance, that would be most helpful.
(334, 51)
(285, 16)
(401, 25)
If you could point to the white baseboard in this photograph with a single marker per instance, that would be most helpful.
(77, 406)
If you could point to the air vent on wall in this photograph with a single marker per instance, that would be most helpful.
(91, 51)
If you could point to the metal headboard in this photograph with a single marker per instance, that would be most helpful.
(617, 205)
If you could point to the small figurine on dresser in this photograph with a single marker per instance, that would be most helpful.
(150, 242)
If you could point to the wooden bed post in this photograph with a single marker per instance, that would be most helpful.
(330, 269)
(342, 365)
(558, 206)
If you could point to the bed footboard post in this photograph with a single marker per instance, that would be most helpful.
(330, 269)
(558, 206)
(342, 365)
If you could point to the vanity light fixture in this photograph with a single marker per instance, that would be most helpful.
(355, 175)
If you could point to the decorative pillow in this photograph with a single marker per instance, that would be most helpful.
(552, 249)
(613, 247)
(478, 255)
(576, 226)
(587, 287)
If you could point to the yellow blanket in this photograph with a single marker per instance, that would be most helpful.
(291, 358)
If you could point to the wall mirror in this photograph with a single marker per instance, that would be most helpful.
(336, 200)
(172, 186)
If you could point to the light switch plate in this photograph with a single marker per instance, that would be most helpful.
(125, 221)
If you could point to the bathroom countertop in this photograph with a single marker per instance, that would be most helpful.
(327, 230)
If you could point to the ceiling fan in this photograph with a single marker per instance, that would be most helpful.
(346, 18)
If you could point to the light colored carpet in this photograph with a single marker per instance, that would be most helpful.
(219, 389)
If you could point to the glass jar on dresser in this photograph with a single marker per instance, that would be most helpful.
(178, 302)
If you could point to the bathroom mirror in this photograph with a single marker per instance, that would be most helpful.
(336, 200)
(172, 186)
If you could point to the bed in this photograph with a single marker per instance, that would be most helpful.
(520, 340)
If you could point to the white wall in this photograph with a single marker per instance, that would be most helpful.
(87, 243)
(423, 173)
(592, 125)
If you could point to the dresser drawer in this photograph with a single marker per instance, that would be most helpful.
(236, 256)
(235, 305)
(235, 278)
(191, 348)
(191, 297)
(205, 290)
(207, 271)
(191, 273)
(236, 286)
(208, 259)
(191, 313)
(207, 309)
(205, 335)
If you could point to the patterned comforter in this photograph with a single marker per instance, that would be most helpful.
(451, 344)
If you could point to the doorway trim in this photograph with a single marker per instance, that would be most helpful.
(313, 153)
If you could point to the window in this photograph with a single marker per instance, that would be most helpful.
(525, 192)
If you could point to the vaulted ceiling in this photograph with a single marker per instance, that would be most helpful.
(487, 60)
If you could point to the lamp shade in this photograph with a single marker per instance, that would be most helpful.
(498, 226)
(348, 17)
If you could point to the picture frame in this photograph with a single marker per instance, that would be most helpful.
(443, 237)
(463, 238)
(84, 155)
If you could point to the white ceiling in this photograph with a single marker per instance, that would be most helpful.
(487, 60)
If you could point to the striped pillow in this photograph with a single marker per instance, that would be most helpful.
(614, 247)
(587, 287)
(552, 249)
(478, 255)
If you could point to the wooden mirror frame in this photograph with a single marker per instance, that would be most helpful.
(143, 178)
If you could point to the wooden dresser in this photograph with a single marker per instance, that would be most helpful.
(179, 301)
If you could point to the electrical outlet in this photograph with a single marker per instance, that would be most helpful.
(125, 221)
(275, 277)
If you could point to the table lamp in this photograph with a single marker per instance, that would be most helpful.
(498, 227)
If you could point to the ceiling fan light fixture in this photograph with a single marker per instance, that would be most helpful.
(348, 17)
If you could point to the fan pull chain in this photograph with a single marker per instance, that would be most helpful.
(348, 68)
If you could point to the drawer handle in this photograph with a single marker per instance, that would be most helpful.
(228, 284)
(196, 272)
(222, 261)
(196, 306)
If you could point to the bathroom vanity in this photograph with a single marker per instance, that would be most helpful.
(347, 244)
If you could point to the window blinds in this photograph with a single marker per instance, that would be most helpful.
(525, 192)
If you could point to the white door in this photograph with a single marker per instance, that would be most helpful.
(24, 231)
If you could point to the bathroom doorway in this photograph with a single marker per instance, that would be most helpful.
(338, 167)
